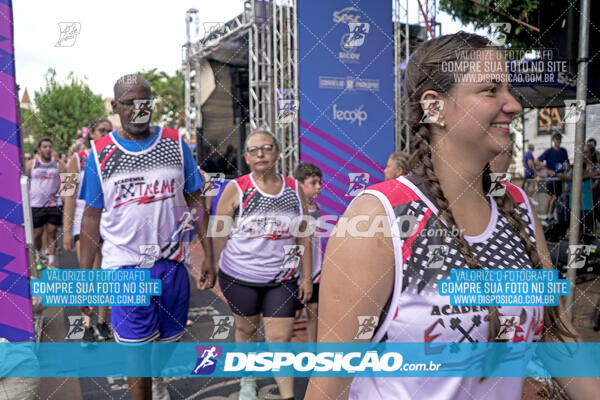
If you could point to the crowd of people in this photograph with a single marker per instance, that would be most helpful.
(267, 273)
(554, 173)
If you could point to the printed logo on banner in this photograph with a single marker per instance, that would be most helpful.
(207, 359)
(366, 327)
(499, 33)
(68, 183)
(431, 111)
(497, 189)
(349, 83)
(292, 256)
(508, 325)
(437, 254)
(68, 33)
(357, 115)
(346, 15)
(213, 183)
(77, 324)
(149, 253)
(142, 111)
(223, 324)
(355, 37)
(578, 255)
(358, 182)
(573, 110)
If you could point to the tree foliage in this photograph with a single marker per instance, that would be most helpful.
(469, 12)
(61, 109)
(169, 93)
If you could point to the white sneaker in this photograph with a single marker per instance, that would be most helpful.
(159, 389)
(248, 389)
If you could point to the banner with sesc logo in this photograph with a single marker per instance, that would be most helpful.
(346, 88)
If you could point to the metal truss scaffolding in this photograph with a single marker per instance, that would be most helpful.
(271, 27)
(285, 83)
(401, 53)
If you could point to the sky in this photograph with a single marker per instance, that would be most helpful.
(116, 37)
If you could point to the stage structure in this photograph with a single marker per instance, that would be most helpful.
(262, 42)
(262, 37)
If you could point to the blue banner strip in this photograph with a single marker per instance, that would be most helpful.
(223, 359)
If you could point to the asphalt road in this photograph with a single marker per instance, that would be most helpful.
(203, 306)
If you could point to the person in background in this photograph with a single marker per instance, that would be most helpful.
(46, 204)
(63, 158)
(557, 165)
(590, 171)
(210, 163)
(27, 157)
(592, 142)
(309, 176)
(72, 215)
(529, 183)
(396, 165)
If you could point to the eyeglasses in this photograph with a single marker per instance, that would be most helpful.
(267, 148)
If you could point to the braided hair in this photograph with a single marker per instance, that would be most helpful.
(424, 72)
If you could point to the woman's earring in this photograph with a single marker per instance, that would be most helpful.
(442, 124)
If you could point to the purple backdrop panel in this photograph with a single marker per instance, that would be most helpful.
(16, 323)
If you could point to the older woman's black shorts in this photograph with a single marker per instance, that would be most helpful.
(245, 299)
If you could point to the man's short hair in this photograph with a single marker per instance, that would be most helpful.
(592, 140)
(42, 140)
(305, 170)
(557, 136)
(530, 147)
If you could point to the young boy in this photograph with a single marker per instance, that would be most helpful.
(309, 177)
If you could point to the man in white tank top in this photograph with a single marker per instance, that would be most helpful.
(46, 205)
(140, 180)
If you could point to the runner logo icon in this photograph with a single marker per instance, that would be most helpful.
(292, 256)
(77, 326)
(207, 359)
(366, 326)
(437, 254)
(499, 33)
(497, 189)
(573, 110)
(358, 183)
(68, 33)
(223, 324)
(508, 325)
(578, 255)
(358, 32)
(68, 183)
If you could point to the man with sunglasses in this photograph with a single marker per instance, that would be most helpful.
(140, 180)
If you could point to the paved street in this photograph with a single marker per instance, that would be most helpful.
(203, 306)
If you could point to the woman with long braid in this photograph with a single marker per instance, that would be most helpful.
(389, 274)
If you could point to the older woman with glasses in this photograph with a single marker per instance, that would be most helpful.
(260, 260)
